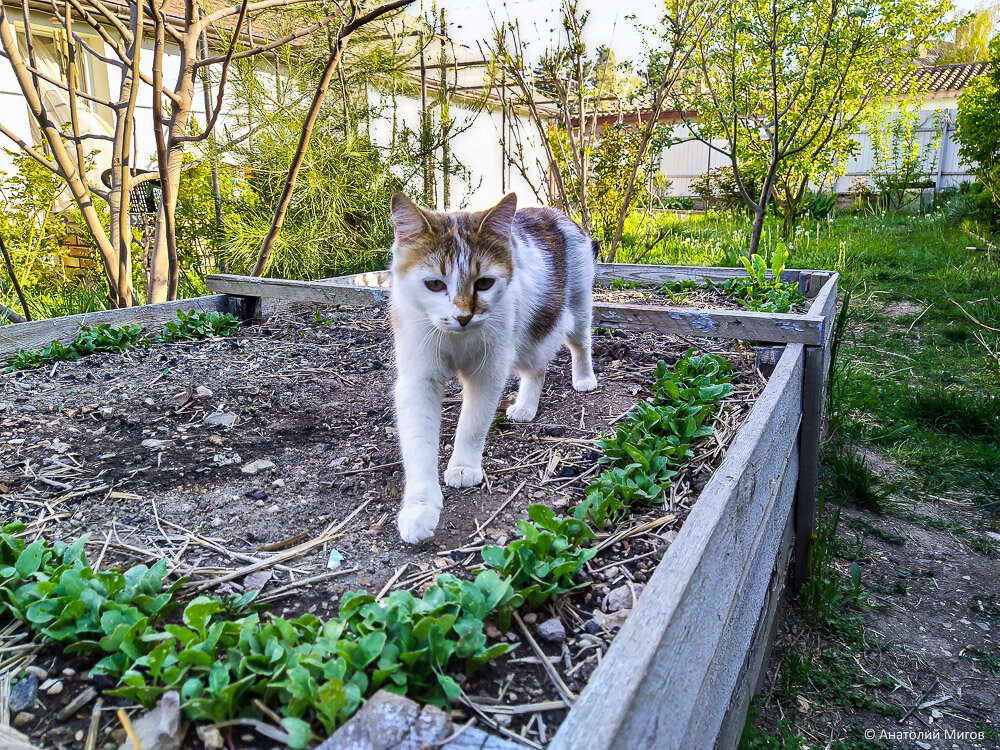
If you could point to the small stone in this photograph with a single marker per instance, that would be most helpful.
(612, 622)
(55, 688)
(492, 631)
(202, 392)
(155, 445)
(623, 597)
(278, 483)
(388, 720)
(552, 430)
(221, 419)
(531, 618)
(256, 581)
(68, 672)
(23, 718)
(552, 630)
(226, 459)
(78, 736)
(160, 728)
(24, 693)
(216, 522)
(255, 467)
(59, 446)
(105, 412)
(274, 509)
(993, 535)
(40, 673)
(592, 626)
(611, 573)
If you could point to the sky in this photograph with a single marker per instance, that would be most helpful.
(470, 21)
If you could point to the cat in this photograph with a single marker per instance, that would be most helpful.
(477, 295)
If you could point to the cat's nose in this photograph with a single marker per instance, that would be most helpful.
(463, 320)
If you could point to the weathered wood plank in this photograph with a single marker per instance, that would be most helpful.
(813, 413)
(326, 291)
(824, 304)
(726, 324)
(651, 274)
(476, 739)
(805, 500)
(754, 666)
(684, 321)
(670, 675)
(40, 333)
(766, 358)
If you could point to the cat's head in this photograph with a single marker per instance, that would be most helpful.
(452, 267)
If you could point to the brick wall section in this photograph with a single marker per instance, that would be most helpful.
(78, 258)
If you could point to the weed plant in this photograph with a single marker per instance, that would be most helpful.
(849, 478)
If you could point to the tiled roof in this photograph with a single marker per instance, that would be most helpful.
(940, 79)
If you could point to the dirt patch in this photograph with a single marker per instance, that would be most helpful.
(934, 610)
(218, 454)
(901, 308)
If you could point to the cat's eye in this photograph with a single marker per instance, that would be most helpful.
(435, 285)
(484, 283)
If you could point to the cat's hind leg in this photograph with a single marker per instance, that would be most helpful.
(578, 341)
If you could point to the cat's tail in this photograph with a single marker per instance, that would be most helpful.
(595, 246)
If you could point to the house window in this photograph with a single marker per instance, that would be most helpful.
(51, 52)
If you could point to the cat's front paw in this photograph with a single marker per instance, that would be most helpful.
(521, 413)
(418, 516)
(463, 476)
(587, 383)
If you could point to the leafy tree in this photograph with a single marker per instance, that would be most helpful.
(575, 85)
(778, 80)
(972, 37)
(978, 131)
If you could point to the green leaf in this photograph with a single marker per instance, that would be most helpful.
(30, 560)
(299, 732)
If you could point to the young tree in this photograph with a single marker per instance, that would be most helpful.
(564, 96)
(978, 131)
(900, 162)
(787, 79)
(126, 29)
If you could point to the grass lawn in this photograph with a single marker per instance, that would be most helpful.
(907, 553)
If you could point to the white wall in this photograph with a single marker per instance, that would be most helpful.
(686, 161)
(478, 148)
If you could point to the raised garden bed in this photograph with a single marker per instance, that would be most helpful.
(309, 394)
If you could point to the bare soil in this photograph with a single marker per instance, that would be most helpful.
(135, 450)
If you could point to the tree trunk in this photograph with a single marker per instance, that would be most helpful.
(758, 227)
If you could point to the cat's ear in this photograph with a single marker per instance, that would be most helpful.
(499, 218)
(408, 218)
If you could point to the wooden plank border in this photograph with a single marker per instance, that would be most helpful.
(372, 289)
(676, 675)
(40, 333)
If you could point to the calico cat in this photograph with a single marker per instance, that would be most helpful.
(477, 295)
